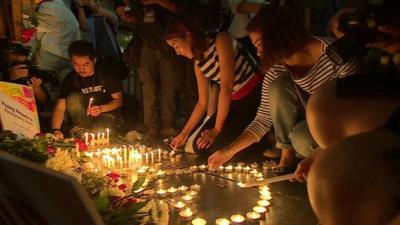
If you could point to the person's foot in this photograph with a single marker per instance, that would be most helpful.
(273, 153)
(287, 158)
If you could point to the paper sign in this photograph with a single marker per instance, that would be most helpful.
(18, 111)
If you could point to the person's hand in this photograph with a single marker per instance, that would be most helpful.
(335, 22)
(94, 5)
(391, 45)
(94, 111)
(219, 158)
(303, 168)
(19, 71)
(58, 134)
(207, 138)
(35, 82)
(179, 140)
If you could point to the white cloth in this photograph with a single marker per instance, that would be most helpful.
(238, 27)
(61, 28)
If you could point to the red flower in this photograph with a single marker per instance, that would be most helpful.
(122, 187)
(82, 146)
(129, 202)
(51, 149)
(113, 176)
(27, 34)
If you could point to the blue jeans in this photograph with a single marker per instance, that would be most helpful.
(76, 106)
(288, 117)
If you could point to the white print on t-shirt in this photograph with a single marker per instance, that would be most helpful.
(98, 88)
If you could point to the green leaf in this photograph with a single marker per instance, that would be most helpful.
(101, 203)
(139, 183)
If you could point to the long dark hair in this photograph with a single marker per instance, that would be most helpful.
(282, 33)
(179, 25)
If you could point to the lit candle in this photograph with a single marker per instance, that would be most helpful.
(195, 187)
(186, 213)
(238, 168)
(222, 221)
(86, 139)
(194, 168)
(263, 188)
(160, 173)
(199, 221)
(172, 190)
(266, 197)
(253, 172)
(193, 193)
(259, 209)
(178, 204)
(240, 164)
(161, 191)
(237, 218)
(92, 142)
(247, 169)
(103, 140)
(141, 171)
(263, 202)
(254, 165)
(187, 198)
(98, 138)
(221, 169)
(202, 167)
(183, 188)
(108, 136)
(228, 169)
(253, 215)
(259, 175)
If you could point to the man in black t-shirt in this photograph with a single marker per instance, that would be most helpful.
(91, 93)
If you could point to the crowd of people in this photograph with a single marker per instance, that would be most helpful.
(260, 73)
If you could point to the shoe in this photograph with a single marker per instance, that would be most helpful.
(273, 153)
(169, 132)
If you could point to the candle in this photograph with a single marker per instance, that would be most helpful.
(228, 169)
(187, 198)
(199, 221)
(237, 218)
(161, 191)
(264, 188)
(172, 190)
(92, 142)
(222, 221)
(253, 172)
(186, 213)
(259, 209)
(221, 169)
(183, 188)
(193, 193)
(108, 136)
(194, 168)
(86, 139)
(259, 175)
(238, 168)
(253, 215)
(103, 140)
(263, 202)
(90, 102)
(202, 167)
(195, 187)
(254, 165)
(178, 205)
(266, 197)
(160, 173)
(240, 164)
(247, 169)
(98, 138)
(141, 171)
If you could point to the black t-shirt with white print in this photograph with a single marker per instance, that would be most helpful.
(100, 85)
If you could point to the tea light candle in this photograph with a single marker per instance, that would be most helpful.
(202, 167)
(264, 203)
(183, 188)
(263, 188)
(222, 221)
(247, 169)
(241, 164)
(254, 165)
(172, 190)
(141, 171)
(195, 187)
(253, 172)
(161, 191)
(193, 193)
(187, 198)
(221, 169)
(259, 209)
(260, 179)
(238, 168)
(178, 205)
(253, 215)
(259, 175)
(266, 197)
(160, 173)
(186, 213)
(228, 169)
(194, 168)
(199, 221)
(237, 218)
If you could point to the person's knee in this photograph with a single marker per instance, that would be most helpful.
(301, 140)
(74, 100)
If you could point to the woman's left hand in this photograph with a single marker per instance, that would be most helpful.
(207, 138)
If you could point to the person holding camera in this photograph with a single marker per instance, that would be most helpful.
(296, 67)
(89, 94)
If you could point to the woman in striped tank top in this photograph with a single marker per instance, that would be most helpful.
(221, 62)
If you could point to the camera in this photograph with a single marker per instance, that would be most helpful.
(33, 71)
(360, 28)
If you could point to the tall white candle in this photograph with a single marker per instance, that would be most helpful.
(108, 136)
(86, 138)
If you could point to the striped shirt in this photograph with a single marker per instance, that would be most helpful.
(322, 71)
(245, 65)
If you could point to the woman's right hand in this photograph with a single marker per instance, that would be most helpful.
(179, 140)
